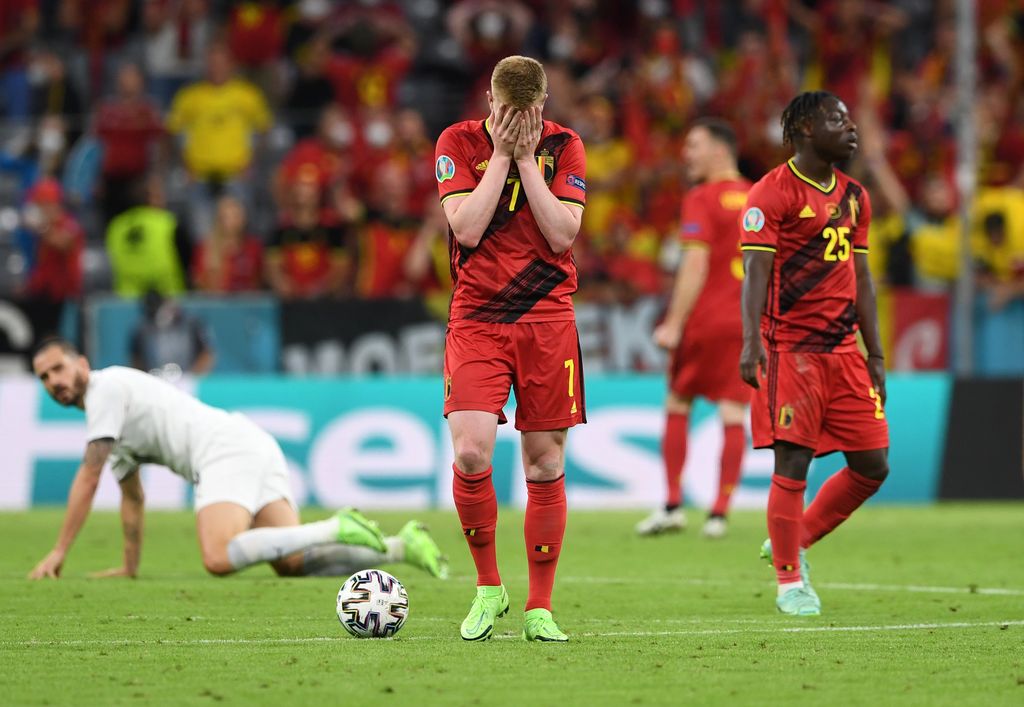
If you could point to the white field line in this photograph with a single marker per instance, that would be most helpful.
(596, 634)
(841, 586)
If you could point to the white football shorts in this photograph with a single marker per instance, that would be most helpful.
(241, 463)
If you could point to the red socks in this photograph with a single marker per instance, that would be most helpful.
(733, 446)
(841, 495)
(785, 512)
(478, 513)
(543, 529)
(673, 452)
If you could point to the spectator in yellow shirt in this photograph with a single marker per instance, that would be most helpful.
(218, 119)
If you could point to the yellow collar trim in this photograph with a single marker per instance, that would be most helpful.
(813, 183)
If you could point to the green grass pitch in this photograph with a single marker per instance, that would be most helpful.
(922, 606)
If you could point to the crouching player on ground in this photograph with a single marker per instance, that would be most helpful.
(804, 234)
(244, 511)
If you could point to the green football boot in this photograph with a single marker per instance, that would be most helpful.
(355, 529)
(421, 550)
(799, 602)
(541, 627)
(489, 604)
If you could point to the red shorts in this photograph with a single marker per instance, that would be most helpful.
(539, 361)
(709, 367)
(824, 401)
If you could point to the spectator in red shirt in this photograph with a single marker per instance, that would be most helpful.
(129, 128)
(387, 236)
(330, 160)
(307, 258)
(380, 48)
(256, 32)
(228, 260)
(59, 241)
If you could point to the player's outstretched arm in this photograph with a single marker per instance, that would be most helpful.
(559, 223)
(757, 266)
(470, 215)
(132, 505)
(867, 318)
(83, 489)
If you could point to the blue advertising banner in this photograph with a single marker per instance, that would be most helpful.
(243, 331)
(382, 443)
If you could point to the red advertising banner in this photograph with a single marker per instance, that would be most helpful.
(920, 330)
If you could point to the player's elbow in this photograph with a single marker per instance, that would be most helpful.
(467, 239)
(562, 242)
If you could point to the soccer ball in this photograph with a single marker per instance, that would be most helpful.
(372, 604)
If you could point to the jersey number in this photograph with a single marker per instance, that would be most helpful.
(838, 247)
(516, 186)
(879, 411)
(571, 366)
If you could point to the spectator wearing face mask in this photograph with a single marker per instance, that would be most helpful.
(328, 159)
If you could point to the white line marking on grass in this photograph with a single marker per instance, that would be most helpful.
(596, 634)
(842, 586)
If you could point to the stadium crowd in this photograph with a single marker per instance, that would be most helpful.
(220, 146)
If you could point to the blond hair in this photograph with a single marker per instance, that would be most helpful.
(519, 81)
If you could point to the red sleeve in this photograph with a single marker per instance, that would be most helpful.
(569, 184)
(453, 172)
(761, 221)
(861, 222)
(695, 221)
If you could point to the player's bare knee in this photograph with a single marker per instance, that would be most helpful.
(471, 459)
(877, 471)
(217, 564)
(544, 468)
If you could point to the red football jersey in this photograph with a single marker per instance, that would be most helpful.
(814, 232)
(512, 275)
(709, 216)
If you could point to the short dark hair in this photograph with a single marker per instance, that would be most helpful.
(58, 341)
(800, 109)
(720, 131)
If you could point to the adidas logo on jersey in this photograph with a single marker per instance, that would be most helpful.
(808, 212)
(483, 165)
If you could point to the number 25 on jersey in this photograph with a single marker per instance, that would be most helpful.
(838, 246)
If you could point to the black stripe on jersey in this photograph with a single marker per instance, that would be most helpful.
(805, 269)
(529, 286)
(827, 339)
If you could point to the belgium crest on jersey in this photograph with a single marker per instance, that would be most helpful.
(546, 163)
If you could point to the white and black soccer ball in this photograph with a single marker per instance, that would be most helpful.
(372, 604)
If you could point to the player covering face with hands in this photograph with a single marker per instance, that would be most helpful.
(244, 509)
(513, 187)
(806, 293)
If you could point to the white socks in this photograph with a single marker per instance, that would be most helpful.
(269, 544)
(337, 560)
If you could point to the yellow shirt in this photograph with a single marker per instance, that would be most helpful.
(218, 123)
(605, 161)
